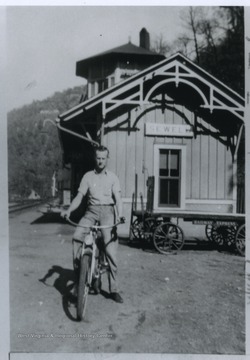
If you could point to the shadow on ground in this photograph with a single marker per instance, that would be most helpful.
(54, 217)
(190, 244)
(64, 284)
(49, 218)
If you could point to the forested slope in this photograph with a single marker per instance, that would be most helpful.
(34, 150)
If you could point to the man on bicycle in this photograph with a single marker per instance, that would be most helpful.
(103, 192)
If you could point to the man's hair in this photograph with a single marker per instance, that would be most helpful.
(101, 148)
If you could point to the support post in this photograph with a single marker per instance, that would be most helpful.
(136, 182)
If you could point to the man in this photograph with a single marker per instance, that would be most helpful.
(103, 192)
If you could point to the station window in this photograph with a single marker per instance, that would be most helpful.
(169, 178)
(169, 172)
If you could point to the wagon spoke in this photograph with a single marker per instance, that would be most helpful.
(240, 239)
(161, 242)
(167, 237)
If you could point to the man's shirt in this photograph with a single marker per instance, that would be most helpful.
(99, 187)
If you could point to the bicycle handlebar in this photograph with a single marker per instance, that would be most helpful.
(96, 227)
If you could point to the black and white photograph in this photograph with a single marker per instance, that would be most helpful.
(126, 191)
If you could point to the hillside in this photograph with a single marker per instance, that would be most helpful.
(34, 150)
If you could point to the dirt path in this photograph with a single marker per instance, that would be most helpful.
(192, 302)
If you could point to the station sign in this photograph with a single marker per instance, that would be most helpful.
(215, 222)
(178, 130)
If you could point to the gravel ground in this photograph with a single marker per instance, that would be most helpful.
(189, 303)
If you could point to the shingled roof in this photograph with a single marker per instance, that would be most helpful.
(129, 50)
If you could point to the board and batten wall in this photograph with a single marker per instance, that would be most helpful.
(209, 163)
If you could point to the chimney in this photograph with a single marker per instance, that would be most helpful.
(144, 39)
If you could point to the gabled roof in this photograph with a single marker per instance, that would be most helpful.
(181, 74)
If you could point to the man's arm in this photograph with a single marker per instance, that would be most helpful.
(82, 191)
(118, 202)
(73, 206)
(116, 190)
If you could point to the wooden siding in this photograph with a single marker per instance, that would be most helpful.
(208, 161)
(212, 168)
(204, 166)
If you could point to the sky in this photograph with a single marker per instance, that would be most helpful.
(44, 42)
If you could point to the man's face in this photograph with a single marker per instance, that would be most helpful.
(101, 159)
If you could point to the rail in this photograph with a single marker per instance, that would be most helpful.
(23, 205)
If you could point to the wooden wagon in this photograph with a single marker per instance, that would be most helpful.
(164, 231)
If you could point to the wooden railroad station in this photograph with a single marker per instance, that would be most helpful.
(168, 124)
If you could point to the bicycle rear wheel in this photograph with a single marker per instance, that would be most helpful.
(83, 285)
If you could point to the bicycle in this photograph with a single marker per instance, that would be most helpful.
(89, 264)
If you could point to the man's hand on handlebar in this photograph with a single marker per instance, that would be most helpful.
(122, 219)
(65, 214)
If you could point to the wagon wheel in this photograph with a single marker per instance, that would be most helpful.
(231, 233)
(223, 235)
(143, 231)
(240, 239)
(149, 227)
(219, 234)
(168, 237)
(136, 228)
(208, 231)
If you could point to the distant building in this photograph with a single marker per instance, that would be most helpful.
(34, 195)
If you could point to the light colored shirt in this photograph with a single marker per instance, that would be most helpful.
(99, 187)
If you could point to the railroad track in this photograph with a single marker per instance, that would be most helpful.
(24, 205)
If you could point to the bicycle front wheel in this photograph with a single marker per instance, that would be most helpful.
(83, 286)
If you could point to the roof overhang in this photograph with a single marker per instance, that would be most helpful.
(175, 80)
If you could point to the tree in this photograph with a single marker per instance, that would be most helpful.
(181, 44)
(214, 39)
(225, 59)
(195, 14)
(191, 40)
(161, 46)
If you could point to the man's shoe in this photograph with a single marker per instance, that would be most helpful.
(116, 297)
(97, 285)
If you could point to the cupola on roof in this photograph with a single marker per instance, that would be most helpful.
(127, 52)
